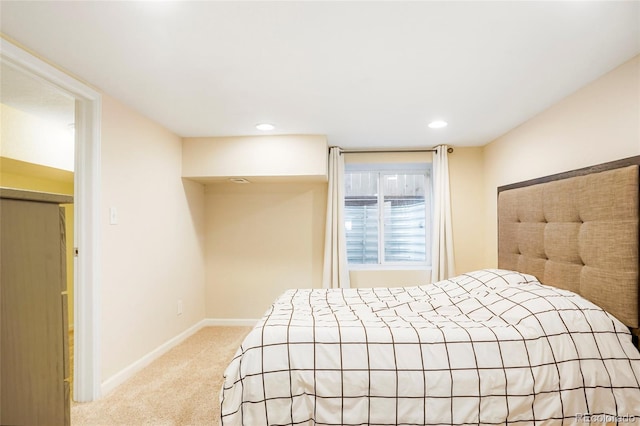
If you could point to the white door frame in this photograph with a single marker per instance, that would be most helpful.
(87, 295)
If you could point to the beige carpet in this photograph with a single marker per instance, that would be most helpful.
(180, 388)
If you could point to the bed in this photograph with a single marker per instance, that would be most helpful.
(545, 339)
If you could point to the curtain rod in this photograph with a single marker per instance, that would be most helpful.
(378, 151)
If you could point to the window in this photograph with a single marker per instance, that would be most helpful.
(388, 214)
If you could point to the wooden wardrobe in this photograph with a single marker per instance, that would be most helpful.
(34, 366)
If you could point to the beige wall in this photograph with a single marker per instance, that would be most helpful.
(261, 239)
(367, 278)
(598, 123)
(303, 157)
(153, 257)
(466, 178)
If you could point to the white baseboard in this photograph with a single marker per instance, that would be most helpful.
(125, 374)
(229, 322)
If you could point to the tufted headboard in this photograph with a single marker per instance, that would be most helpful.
(577, 231)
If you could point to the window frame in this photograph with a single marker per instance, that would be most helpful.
(384, 169)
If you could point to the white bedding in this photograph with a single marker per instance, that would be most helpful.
(489, 347)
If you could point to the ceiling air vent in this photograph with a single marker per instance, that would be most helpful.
(239, 180)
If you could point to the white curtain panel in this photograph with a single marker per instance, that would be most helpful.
(442, 263)
(336, 272)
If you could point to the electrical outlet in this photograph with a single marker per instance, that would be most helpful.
(179, 307)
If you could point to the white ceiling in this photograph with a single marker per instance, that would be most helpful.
(366, 74)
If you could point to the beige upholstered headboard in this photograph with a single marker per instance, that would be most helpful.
(577, 231)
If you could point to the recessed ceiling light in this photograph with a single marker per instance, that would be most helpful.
(265, 127)
(438, 124)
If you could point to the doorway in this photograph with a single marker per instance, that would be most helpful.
(86, 116)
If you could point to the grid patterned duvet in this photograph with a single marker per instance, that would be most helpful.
(489, 347)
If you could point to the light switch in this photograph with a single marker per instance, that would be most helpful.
(113, 216)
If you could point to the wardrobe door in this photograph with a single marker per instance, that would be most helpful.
(32, 319)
